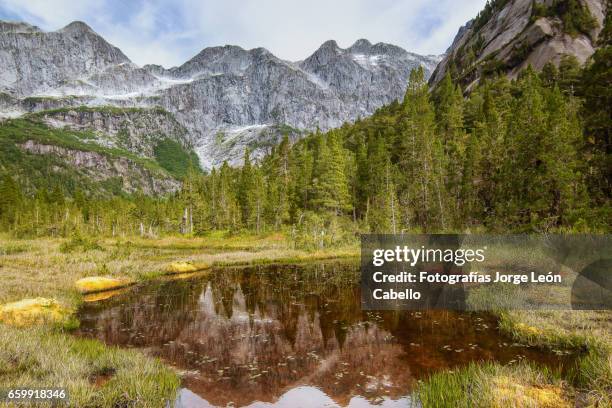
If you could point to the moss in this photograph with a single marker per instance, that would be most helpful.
(185, 267)
(99, 284)
(34, 311)
(506, 391)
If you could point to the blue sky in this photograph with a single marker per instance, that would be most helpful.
(168, 32)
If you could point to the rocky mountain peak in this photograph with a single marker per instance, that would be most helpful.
(77, 28)
(329, 44)
(360, 46)
(52, 63)
(227, 59)
(226, 97)
(508, 36)
(18, 27)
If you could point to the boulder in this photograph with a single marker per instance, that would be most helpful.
(27, 312)
(185, 267)
(99, 284)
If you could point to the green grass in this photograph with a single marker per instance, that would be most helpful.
(175, 158)
(577, 330)
(492, 385)
(527, 385)
(95, 375)
(41, 356)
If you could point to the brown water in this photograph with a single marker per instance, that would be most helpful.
(293, 336)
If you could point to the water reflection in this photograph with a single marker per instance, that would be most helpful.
(292, 336)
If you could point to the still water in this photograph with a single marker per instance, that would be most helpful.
(293, 336)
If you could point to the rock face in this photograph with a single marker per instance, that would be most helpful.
(34, 62)
(508, 36)
(99, 167)
(227, 98)
(134, 129)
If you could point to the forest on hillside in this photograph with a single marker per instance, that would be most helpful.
(532, 154)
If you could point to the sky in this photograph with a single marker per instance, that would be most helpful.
(169, 32)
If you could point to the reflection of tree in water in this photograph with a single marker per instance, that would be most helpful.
(147, 316)
(252, 334)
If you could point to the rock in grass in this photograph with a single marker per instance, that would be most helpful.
(99, 284)
(27, 312)
(184, 267)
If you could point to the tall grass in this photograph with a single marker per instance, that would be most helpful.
(43, 357)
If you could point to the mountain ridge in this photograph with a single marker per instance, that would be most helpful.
(215, 95)
(507, 36)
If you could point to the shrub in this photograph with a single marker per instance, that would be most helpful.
(80, 243)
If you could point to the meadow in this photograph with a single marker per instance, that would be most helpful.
(100, 375)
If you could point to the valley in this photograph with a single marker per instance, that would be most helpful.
(190, 236)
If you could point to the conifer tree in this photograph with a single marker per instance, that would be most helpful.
(330, 183)
(10, 200)
(597, 113)
(450, 127)
(245, 193)
(420, 159)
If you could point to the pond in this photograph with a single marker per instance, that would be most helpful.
(291, 336)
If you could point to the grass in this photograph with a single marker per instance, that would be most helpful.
(94, 375)
(588, 334)
(49, 268)
(589, 383)
(21, 130)
(588, 331)
(109, 109)
(493, 385)
(33, 169)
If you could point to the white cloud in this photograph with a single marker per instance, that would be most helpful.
(169, 32)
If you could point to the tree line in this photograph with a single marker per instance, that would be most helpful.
(531, 154)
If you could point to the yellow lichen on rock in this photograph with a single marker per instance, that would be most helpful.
(27, 312)
(99, 283)
(184, 267)
(507, 392)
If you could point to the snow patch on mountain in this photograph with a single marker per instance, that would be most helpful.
(249, 96)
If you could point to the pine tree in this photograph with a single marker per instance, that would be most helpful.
(244, 193)
(450, 128)
(523, 200)
(330, 183)
(383, 207)
(10, 200)
(277, 168)
(560, 158)
(257, 201)
(597, 111)
(420, 161)
(301, 179)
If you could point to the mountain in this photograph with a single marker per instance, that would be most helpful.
(43, 156)
(507, 36)
(227, 98)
